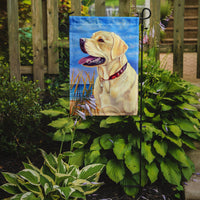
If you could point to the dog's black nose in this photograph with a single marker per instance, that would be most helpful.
(82, 45)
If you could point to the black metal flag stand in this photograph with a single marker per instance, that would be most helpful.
(141, 86)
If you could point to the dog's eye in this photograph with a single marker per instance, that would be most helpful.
(100, 40)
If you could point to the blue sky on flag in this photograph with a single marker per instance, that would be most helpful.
(83, 27)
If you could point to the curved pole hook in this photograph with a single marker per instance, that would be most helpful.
(143, 18)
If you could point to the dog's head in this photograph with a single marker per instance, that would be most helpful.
(103, 47)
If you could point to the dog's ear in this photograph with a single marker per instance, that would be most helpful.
(119, 46)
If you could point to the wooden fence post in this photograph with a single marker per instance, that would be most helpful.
(198, 44)
(14, 44)
(100, 8)
(133, 8)
(76, 7)
(178, 47)
(155, 27)
(124, 8)
(37, 38)
(52, 37)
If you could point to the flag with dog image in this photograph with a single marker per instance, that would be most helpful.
(104, 53)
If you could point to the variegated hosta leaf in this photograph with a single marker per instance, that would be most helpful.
(91, 172)
(10, 188)
(10, 177)
(30, 175)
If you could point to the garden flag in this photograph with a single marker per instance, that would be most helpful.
(104, 55)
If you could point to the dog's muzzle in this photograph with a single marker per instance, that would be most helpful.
(89, 60)
(82, 45)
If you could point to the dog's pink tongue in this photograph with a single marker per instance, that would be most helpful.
(86, 60)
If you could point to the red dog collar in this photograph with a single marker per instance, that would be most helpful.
(117, 74)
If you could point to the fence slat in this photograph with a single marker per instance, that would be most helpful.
(76, 7)
(178, 36)
(100, 8)
(155, 27)
(133, 8)
(198, 44)
(52, 36)
(124, 8)
(14, 44)
(37, 38)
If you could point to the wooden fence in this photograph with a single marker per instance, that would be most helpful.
(45, 34)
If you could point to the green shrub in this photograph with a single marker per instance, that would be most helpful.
(20, 107)
(170, 123)
(54, 180)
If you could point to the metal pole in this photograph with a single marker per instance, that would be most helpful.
(141, 84)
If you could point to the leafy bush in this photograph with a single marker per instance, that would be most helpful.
(54, 180)
(170, 123)
(19, 112)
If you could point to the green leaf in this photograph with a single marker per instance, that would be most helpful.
(92, 157)
(171, 172)
(153, 171)
(188, 142)
(188, 171)
(115, 170)
(165, 107)
(84, 125)
(29, 196)
(148, 114)
(50, 160)
(175, 130)
(33, 188)
(191, 100)
(31, 166)
(52, 112)
(61, 168)
(186, 125)
(160, 147)
(129, 184)
(78, 144)
(174, 140)
(106, 141)
(64, 103)
(185, 106)
(95, 146)
(30, 175)
(10, 177)
(113, 119)
(93, 170)
(119, 148)
(78, 157)
(147, 152)
(175, 87)
(10, 188)
(47, 183)
(62, 122)
(103, 124)
(16, 197)
(179, 155)
(65, 191)
(27, 2)
(132, 161)
(60, 135)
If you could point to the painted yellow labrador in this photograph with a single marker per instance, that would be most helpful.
(116, 87)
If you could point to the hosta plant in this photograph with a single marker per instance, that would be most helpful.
(54, 180)
(170, 124)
